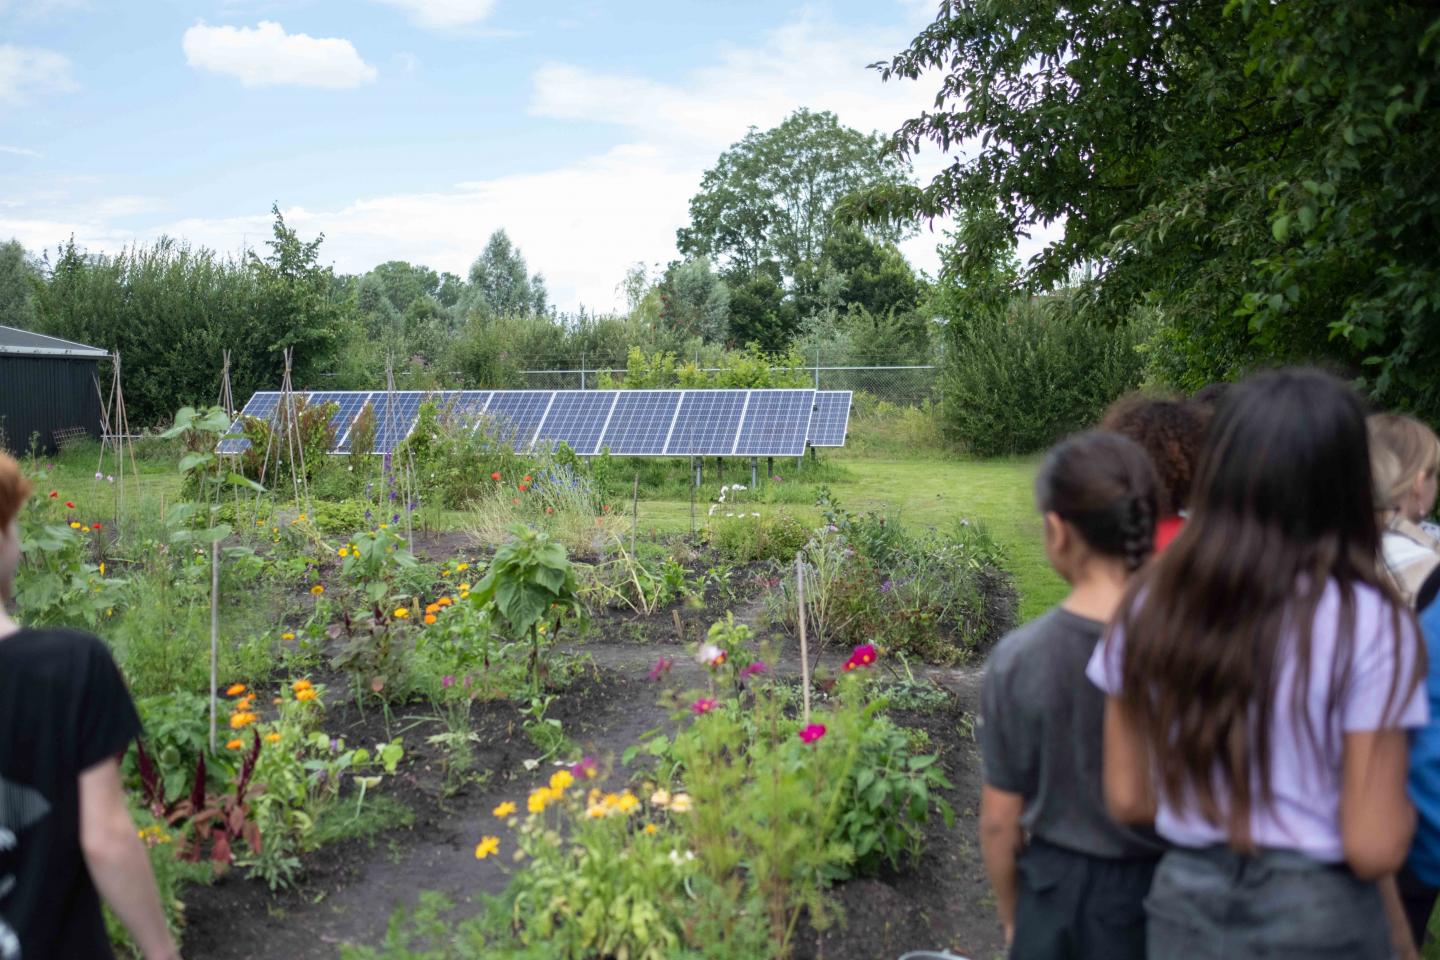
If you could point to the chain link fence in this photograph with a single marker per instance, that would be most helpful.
(907, 386)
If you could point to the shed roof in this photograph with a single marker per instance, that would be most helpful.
(16, 341)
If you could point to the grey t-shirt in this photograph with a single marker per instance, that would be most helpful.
(1041, 736)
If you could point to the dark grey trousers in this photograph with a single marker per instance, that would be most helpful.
(1073, 906)
(1215, 904)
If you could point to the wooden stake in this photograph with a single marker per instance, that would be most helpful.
(634, 514)
(804, 646)
(214, 635)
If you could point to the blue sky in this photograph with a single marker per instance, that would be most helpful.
(410, 129)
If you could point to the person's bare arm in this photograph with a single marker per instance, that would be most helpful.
(118, 863)
(1129, 789)
(1001, 841)
(1377, 820)
(1400, 938)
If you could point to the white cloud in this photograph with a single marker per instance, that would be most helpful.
(581, 223)
(442, 14)
(267, 56)
(19, 151)
(28, 72)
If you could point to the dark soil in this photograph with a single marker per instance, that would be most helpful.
(350, 889)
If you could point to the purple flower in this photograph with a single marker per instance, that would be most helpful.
(448, 681)
(334, 745)
(753, 669)
(413, 505)
(586, 769)
(886, 587)
(394, 495)
(395, 518)
(661, 668)
(368, 516)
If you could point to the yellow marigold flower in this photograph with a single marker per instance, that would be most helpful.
(539, 799)
(627, 802)
(303, 518)
(235, 690)
(594, 811)
(74, 525)
(272, 738)
(461, 567)
(429, 618)
(505, 809)
(344, 552)
(486, 847)
(464, 594)
(102, 568)
(401, 613)
(287, 636)
(650, 828)
(561, 779)
(306, 695)
(680, 803)
(464, 588)
(236, 744)
(299, 685)
(317, 589)
(384, 526)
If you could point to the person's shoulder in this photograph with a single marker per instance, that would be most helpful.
(53, 645)
(1018, 643)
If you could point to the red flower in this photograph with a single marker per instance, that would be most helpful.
(812, 733)
(495, 476)
(70, 504)
(95, 526)
(527, 478)
(549, 509)
(54, 494)
(523, 488)
(703, 706)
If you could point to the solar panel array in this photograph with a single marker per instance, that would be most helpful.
(627, 423)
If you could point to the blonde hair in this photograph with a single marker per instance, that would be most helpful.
(14, 488)
(1401, 448)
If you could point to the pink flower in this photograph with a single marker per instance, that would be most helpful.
(863, 656)
(753, 669)
(661, 668)
(447, 681)
(703, 706)
(586, 769)
(812, 733)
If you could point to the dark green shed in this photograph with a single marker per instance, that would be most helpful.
(47, 387)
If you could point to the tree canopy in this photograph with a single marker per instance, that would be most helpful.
(1260, 176)
(771, 197)
(500, 283)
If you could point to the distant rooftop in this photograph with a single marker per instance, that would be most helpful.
(15, 341)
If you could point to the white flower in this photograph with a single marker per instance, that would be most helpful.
(754, 514)
(738, 487)
(729, 514)
(707, 653)
(713, 508)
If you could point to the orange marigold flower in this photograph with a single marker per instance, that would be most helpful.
(272, 738)
(432, 608)
(235, 690)
(241, 719)
(236, 744)
(306, 695)
(429, 619)
(444, 602)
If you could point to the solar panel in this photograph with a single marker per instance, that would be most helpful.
(463, 407)
(831, 418)
(395, 415)
(261, 406)
(777, 423)
(641, 422)
(351, 404)
(516, 413)
(707, 423)
(577, 418)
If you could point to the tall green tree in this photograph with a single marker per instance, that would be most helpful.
(18, 277)
(500, 283)
(297, 305)
(694, 299)
(771, 197)
(1259, 173)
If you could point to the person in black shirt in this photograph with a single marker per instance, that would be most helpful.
(66, 835)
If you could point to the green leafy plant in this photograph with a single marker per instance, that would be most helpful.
(532, 587)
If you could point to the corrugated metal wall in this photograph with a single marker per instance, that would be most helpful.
(40, 394)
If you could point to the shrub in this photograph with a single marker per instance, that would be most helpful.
(1015, 382)
(746, 539)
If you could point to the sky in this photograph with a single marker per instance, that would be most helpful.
(412, 129)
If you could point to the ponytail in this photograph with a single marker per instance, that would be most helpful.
(1104, 486)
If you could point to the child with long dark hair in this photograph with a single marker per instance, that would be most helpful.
(1075, 888)
(1261, 676)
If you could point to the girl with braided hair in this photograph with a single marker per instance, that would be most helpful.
(1261, 676)
(1069, 881)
